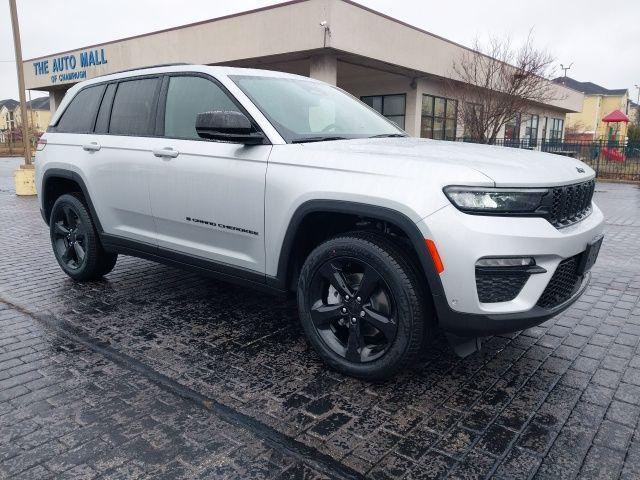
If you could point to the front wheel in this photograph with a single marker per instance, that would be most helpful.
(75, 241)
(361, 305)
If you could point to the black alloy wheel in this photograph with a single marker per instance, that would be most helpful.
(362, 304)
(353, 309)
(69, 237)
(75, 242)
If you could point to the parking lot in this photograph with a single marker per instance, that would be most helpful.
(160, 372)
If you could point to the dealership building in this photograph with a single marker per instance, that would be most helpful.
(397, 68)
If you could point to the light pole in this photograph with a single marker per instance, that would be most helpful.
(24, 176)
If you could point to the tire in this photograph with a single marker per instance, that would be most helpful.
(385, 321)
(75, 241)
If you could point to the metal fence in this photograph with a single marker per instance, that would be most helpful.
(612, 160)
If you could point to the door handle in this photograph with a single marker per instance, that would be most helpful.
(91, 147)
(166, 152)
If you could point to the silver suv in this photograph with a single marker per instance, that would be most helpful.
(287, 184)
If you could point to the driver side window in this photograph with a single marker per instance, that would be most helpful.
(186, 98)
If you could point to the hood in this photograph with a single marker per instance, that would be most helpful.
(505, 166)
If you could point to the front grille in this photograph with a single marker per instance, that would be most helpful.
(570, 203)
(499, 288)
(564, 282)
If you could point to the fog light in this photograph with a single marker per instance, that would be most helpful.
(506, 262)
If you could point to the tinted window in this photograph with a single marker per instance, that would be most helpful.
(79, 116)
(133, 107)
(186, 98)
(102, 122)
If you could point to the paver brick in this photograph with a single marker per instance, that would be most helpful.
(555, 401)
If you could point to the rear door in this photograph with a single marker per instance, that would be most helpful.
(207, 196)
(120, 161)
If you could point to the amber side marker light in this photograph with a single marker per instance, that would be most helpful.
(435, 256)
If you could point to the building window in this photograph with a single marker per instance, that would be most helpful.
(512, 130)
(530, 124)
(391, 106)
(555, 132)
(473, 121)
(438, 118)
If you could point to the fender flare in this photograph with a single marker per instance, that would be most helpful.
(52, 174)
(395, 217)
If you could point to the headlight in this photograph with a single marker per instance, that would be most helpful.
(497, 201)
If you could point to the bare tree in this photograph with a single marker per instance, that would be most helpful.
(496, 82)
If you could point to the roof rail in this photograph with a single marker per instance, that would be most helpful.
(149, 66)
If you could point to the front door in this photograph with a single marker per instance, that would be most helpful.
(207, 197)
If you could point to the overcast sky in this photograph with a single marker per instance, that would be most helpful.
(600, 38)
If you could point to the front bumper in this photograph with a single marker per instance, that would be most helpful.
(463, 239)
(480, 325)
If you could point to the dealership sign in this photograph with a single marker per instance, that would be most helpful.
(70, 67)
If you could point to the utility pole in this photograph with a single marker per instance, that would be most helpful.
(23, 101)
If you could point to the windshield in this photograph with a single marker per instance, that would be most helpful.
(305, 110)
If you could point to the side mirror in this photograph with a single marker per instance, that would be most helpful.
(228, 126)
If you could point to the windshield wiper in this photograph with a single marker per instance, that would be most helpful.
(316, 139)
(389, 135)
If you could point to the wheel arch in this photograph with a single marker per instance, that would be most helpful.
(299, 220)
(57, 182)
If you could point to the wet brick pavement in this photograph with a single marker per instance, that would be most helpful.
(158, 371)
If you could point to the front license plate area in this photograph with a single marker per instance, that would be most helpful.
(589, 256)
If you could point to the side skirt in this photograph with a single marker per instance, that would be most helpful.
(202, 266)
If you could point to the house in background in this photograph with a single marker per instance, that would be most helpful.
(7, 118)
(634, 113)
(599, 102)
(38, 111)
(39, 114)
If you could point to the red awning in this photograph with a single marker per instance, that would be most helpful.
(616, 116)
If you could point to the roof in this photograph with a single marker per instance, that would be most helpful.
(10, 103)
(615, 116)
(41, 103)
(588, 88)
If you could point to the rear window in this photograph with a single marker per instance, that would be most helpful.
(80, 114)
(134, 107)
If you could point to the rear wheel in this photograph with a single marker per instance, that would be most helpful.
(75, 241)
(361, 305)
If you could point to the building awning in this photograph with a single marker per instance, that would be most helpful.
(615, 116)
